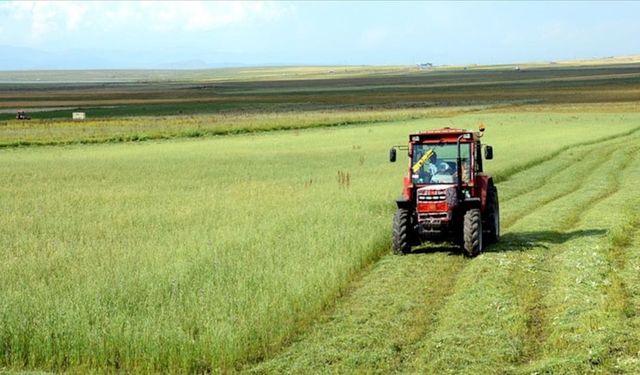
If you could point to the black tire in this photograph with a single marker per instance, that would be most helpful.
(402, 232)
(472, 232)
(492, 221)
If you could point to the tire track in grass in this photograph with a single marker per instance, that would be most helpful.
(623, 297)
(598, 190)
(565, 188)
(556, 173)
(517, 169)
(615, 173)
(565, 160)
(535, 310)
(533, 186)
(496, 305)
(624, 346)
(621, 343)
(373, 328)
(597, 193)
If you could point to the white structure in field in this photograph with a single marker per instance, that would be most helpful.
(79, 115)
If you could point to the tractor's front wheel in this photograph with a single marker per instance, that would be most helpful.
(402, 232)
(472, 233)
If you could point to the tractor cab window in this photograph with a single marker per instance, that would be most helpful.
(437, 163)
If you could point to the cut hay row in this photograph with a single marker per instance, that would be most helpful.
(553, 296)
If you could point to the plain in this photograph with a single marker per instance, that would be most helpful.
(270, 250)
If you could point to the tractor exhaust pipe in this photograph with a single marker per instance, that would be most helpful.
(459, 169)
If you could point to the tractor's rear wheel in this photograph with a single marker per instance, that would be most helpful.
(472, 232)
(402, 232)
(492, 234)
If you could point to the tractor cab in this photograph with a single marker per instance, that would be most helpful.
(445, 181)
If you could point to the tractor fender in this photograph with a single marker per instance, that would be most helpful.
(483, 182)
(471, 203)
(404, 203)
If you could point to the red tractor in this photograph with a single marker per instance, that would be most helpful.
(446, 194)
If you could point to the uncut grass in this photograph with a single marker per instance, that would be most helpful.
(203, 255)
(160, 257)
(43, 132)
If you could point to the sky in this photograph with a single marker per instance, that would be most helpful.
(198, 34)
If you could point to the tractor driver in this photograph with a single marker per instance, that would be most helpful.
(434, 170)
(441, 171)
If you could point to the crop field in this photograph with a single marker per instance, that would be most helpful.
(267, 251)
(206, 92)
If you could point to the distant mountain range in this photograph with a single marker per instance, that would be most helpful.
(23, 58)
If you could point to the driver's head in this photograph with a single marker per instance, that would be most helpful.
(433, 157)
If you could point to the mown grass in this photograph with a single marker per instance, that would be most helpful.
(205, 255)
(536, 310)
(558, 294)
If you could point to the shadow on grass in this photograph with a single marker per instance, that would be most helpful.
(440, 247)
(515, 241)
(520, 241)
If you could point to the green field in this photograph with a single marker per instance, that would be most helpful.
(268, 252)
(192, 93)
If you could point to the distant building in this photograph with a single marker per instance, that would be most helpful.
(79, 116)
(425, 66)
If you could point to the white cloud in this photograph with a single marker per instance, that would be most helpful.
(50, 19)
(45, 19)
(206, 16)
(17, 9)
(116, 14)
(75, 14)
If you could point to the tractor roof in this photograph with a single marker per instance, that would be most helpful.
(444, 134)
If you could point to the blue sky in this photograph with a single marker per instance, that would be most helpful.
(176, 34)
